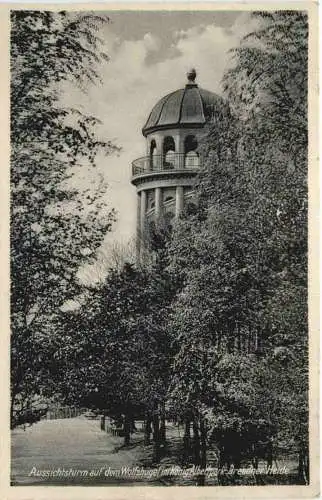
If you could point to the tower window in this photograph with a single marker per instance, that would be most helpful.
(190, 143)
(190, 150)
(153, 150)
(169, 153)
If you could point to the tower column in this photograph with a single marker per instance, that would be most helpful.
(142, 212)
(181, 150)
(138, 220)
(158, 202)
(179, 200)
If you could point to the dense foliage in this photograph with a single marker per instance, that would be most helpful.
(242, 316)
(54, 227)
(212, 331)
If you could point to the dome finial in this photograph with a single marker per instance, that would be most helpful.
(191, 75)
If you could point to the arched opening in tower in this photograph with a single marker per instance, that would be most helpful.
(169, 153)
(153, 151)
(191, 155)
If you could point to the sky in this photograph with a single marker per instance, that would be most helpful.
(150, 54)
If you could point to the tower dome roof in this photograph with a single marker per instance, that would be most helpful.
(190, 106)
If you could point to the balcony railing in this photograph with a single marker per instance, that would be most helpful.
(161, 163)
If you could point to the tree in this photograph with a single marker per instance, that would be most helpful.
(55, 228)
(274, 60)
(243, 256)
(114, 353)
(267, 85)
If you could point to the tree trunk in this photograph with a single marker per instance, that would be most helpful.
(147, 430)
(239, 343)
(127, 429)
(300, 466)
(203, 452)
(132, 425)
(203, 439)
(186, 440)
(307, 467)
(303, 466)
(102, 422)
(162, 425)
(196, 443)
(270, 454)
(254, 456)
(156, 438)
(187, 437)
(200, 480)
(12, 405)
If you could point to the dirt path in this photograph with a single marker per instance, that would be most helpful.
(65, 449)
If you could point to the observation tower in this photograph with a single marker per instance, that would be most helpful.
(164, 178)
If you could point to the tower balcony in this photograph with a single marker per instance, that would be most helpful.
(171, 163)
